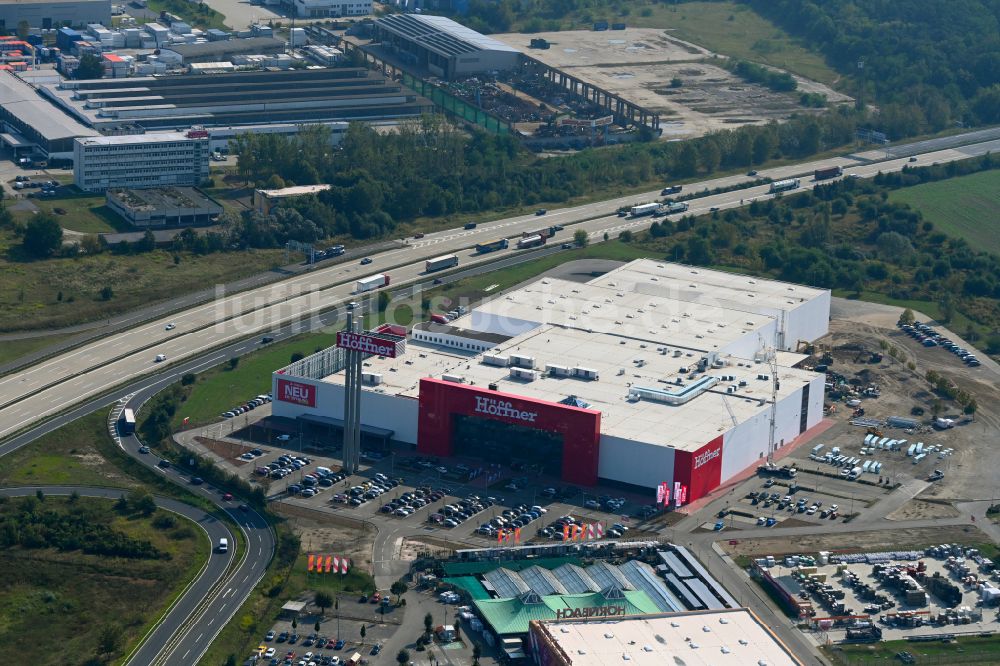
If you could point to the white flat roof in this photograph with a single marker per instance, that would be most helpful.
(613, 307)
(702, 285)
(295, 191)
(686, 427)
(134, 139)
(733, 637)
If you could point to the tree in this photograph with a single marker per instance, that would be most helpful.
(428, 624)
(477, 652)
(233, 362)
(402, 658)
(363, 632)
(295, 623)
(296, 356)
(107, 293)
(316, 627)
(90, 67)
(231, 660)
(42, 235)
(399, 589)
(906, 318)
(142, 501)
(711, 156)
(687, 161)
(323, 601)
(109, 640)
(971, 407)
(763, 146)
(40, 495)
(581, 238)
(121, 504)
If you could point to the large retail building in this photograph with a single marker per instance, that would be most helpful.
(651, 373)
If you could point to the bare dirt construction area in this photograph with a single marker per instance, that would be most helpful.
(922, 510)
(320, 535)
(855, 542)
(640, 63)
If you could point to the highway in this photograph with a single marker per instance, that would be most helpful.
(95, 368)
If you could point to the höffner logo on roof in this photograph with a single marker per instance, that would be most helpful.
(706, 457)
(494, 407)
(366, 343)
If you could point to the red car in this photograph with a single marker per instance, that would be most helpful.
(227, 497)
(329, 644)
(377, 597)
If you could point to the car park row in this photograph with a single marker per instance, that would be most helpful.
(928, 337)
(253, 403)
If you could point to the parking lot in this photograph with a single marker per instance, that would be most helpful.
(460, 501)
(940, 590)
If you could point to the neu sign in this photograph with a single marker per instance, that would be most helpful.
(366, 344)
(494, 407)
(592, 611)
(300, 394)
(706, 457)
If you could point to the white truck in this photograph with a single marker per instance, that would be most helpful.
(440, 263)
(644, 209)
(371, 282)
(675, 207)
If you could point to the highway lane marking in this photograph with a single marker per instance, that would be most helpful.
(186, 653)
(227, 593)
(199, 637)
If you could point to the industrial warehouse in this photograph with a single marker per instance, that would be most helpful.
(236, 99)
(651, 374)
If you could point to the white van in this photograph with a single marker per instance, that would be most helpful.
(324, 471)
(223, 545)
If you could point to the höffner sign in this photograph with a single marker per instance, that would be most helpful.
(368, 344)
(592, 611)
(494, 407)
(706, 457)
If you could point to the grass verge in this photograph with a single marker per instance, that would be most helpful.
(62, 600)
(199, 14)
(969, 650)
(963, 207)
(11, 350)
(83, 213)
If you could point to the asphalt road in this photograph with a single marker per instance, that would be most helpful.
(198, 589)
(49, 387)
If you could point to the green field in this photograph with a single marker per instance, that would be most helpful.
(199, 14)
(967, 650)
(56, 603)
(14, 349)
(83, 213)
(727, 28)
(69, 455)
(964, 207)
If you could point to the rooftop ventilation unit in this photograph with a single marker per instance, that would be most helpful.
(520, 361)
(372, 378)
(521, 373)
(455, 379)
(495, 359)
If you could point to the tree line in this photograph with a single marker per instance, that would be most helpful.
(847, 235)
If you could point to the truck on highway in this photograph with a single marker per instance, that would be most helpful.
(671, 189)
(644, 209)
(440, 263)
(828, 172)
(784, 185)
(371, 282)
(675, 207)
(492, 246)
(126, 422)
(535, 240)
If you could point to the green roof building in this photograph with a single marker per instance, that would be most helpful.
(508, 617)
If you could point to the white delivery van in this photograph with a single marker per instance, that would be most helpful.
(223, 546)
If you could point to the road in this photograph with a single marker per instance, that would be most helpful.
(93, 369)
(185, 606)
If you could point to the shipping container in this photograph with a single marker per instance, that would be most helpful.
(371, 282)
(828, 172)
(440, 263)
(644, 209)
